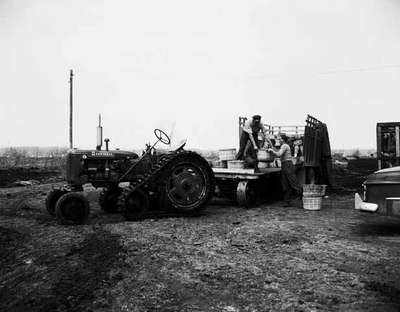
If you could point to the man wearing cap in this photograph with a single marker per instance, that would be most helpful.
(289, 181)
(250, 133)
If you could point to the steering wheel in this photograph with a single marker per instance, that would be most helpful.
(162, 136)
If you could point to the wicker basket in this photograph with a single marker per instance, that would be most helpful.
(264, 155)
(236, 164)
(227, 154)
(314, 190)
(219, 164)
(263, 165)
(312, 202)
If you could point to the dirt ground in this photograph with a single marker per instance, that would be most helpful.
(268, 258)
(9, 176)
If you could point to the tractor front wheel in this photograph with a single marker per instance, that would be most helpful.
(51, 200)
(134, 203)
(72, 208)
(108, 199)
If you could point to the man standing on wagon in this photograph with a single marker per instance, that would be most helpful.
(250, 133)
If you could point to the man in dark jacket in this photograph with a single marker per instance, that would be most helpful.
(250, 133)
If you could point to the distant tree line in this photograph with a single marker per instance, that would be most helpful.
(32, 157)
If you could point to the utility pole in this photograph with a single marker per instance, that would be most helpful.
(71, 74)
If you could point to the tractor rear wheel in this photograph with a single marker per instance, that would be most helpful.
(72, 208)
(108, 199)
(187, 184)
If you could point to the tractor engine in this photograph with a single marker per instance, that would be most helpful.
(98, 167)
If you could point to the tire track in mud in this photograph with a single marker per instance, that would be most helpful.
(382, 277)
(12, 245)
(78, 282)
(10, 241)
(387, 291)
(86, 272)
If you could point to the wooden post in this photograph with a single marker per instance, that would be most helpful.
(379, 146)
(397, 144)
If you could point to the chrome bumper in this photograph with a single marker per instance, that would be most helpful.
(359, 204)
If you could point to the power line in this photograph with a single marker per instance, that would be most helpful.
(327, 72)
(361, 69)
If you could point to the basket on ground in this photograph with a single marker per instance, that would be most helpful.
(312, 203)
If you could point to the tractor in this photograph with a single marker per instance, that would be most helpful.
(177, 182)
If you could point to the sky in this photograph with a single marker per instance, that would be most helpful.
(192, 68)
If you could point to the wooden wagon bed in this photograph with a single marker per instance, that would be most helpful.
(244, 185)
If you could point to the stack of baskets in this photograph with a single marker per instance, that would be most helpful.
(312, 196)
(225, 155)
(235, 164)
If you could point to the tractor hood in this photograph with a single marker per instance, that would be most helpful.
(103, 153)
(385, 176)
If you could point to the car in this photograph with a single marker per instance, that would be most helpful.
(381, 193)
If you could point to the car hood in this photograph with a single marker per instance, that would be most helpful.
(385, 176)
(393, 169)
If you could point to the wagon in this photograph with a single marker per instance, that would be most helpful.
(246, 186)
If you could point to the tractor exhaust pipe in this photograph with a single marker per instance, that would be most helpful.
(71, 75)
(99, 135)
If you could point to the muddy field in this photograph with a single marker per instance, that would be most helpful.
(228, 259)
(11, 176)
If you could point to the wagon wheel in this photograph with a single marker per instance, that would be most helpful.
(246, 194)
